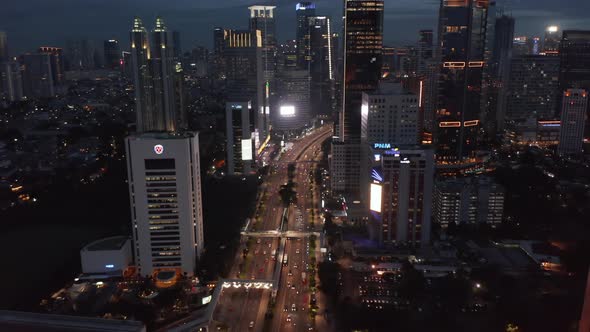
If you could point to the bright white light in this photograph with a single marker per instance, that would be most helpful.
(247, 149)
(206, 299)
(375, 204)
(552, 28)
(287, 111)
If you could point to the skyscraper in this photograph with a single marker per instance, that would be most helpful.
(425, 51)
(462, 40)
(573, 116)
(57, 63)
(322, 61)
(303, 10)
(79, 54)
(157, 78)
(11, 84)
(262, 18)
(239, 127)
(112, 54)
(363, 42)
(163, 161)
(401, 196)
(552, 40)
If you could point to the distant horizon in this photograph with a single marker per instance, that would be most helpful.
(61, 20)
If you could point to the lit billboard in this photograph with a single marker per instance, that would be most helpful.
(376, 192)
(247, 149)
(287, 111)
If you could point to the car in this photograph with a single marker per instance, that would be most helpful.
(251, 324)
(293, 307)
(258, 241)
(295, 266)
(264, 252)
(290, 273)
(297, 251)
(288, 318)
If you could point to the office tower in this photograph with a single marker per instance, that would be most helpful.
(425, 51)
(362, 70)
(552, 40)
(177, 53)
(127, 64)
(303, 10)
(79, 55)
(218, 43)
(532, 87)
(162, 160)
(390, 117)
(499, 66)
(262, 19)
(197, 61)
(573, 116)
(11, 84)
(3, 47)
(293, 96)
(468, 201)
(322, 52)
(165, 193)
(462, 39)
(158, 79)
(244, 72)
(401, 196)
(57, 63)
(112, 54)
(239, 127)
(37, 76)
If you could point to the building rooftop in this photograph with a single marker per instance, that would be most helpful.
(110, 243)
(35, 322)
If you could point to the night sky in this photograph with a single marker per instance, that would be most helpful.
(33, 23)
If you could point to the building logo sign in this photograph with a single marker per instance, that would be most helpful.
(159, 149)
(382, 145)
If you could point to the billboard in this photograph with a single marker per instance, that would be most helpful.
(247, 149)
(376, 192)
(287, 111)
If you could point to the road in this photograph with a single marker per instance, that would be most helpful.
(241, 310)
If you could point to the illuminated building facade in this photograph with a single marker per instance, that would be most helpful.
(363, 42)
(158, 78)
(239, 126)
(304, 11)
(323, 44)
(400, 191)
(112, 54)
(573, 117)
(462, 41)
(165, 193)
(468, 201)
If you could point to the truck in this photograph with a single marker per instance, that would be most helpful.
(285, 260)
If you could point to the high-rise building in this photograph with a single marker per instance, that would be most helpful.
(79, 55)
(322, 61)
(163, 161)
(3, 47)
(552, 40)
(499, 67)
(425, 51)
(390, 117)
(166, 209)
(462, 39)
(239, 128)
(244, 72)
(11, 84)
(38, 76)
(159, 99)
(304, 10)
(400, 191)
(573, 117)
(57, 63)
(363, 42)
(262, 19)
(532, 88)
(468, 201)
(112, 54)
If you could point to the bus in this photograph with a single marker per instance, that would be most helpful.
(274, 254)
(285, 260)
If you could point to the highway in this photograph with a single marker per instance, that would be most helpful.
(241, 309)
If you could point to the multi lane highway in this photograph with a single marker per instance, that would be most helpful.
(243, 309)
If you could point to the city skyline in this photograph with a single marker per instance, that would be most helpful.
(402, 19)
